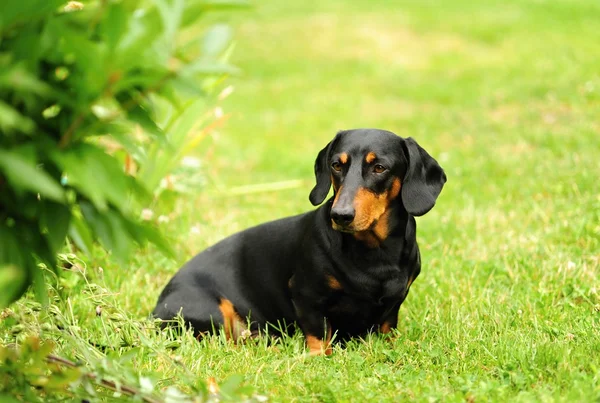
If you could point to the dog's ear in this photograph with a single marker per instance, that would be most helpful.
(423, 181)
(322, 173)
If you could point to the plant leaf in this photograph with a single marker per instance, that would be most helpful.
(80, 233)
(170, 12)
(100, 228)
(14, 12)
(23, 174)
(11, 119)
(197, 8)
(55, 218)
(138, 114)
(114, 24)
(13, 282)
(111, 229)
(95, 174)
(143, 233)
(39, 284)
(216, 41)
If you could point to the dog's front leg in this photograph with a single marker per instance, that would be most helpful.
(390, 321)
(318, 335)
(318, 346)
(316, 328)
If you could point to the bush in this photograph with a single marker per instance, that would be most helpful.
(73, 79)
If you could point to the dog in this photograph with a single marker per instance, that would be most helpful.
(343, 268)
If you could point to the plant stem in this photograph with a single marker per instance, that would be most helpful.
(128, 390)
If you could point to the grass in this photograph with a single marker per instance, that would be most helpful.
(505, 94)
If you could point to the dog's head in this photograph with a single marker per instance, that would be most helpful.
(371, 170)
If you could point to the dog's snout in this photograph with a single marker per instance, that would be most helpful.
(343, 216)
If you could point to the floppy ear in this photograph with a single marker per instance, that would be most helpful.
(423, 181)
(322, 174)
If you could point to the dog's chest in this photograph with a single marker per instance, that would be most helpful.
(378, 283)
(367, 295)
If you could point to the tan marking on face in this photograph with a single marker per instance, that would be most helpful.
(371, 156)
(317, 346)
(343, 158)
(333, 283)
(368, 207)
(233, 325)
(372, 208)
(337, 195)
(385, 327)
(395, 189)
(382, 226)
(410, 281)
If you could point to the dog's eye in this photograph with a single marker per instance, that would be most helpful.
(378, 168)
(336, 166)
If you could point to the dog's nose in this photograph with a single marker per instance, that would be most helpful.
(342, 217)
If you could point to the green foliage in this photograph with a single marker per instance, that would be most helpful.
(26, 368)
(73, 79)
(32, 372)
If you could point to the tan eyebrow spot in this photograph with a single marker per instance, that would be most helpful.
(343, 158)
(370, 157)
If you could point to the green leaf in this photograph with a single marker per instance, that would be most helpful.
(206, 67)
(6, 398)
(100, 228)
(140, 79)
(55, 223)
(187, 120)
(18, 78)
(89, 80)
(39, 284)
(170, 12)
(110, 228)
(216, 41)
(12, 120)
(229, 387)
(122, 134)
(23, 174)
(80, 233)
(17, 265)
(138, 114)
(14, 12)
(114, 24)
(142, 117)
(189, 86)
(96, 175)
(122, 243)
(195, 9)
(135, 48)
(10, 253)
(80, 172)
(13, 283)
(143, 233)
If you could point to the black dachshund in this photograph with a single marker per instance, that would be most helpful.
(345, 267)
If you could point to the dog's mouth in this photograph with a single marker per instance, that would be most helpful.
(349, 229)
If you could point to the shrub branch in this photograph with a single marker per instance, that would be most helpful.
(128, 390)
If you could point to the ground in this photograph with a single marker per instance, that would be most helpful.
(505, 94)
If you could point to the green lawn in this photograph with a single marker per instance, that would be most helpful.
(504, 93)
